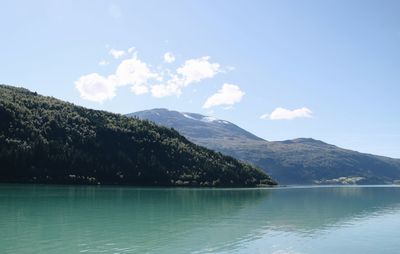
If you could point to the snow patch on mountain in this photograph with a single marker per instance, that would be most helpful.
(188, 116)
(209, 119)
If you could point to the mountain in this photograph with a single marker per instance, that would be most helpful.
(298, 161)
(45, 140)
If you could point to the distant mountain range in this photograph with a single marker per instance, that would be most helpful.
(45, 140)
(297, 161)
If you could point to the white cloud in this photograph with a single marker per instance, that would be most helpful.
(95, 87)
(171, 87)
(192, 71)
(142, 78)
(195, 70)
(103, 63)
(169, 57)
(228, 95)
(116, 53)
(130, 72)
(287, 114)
(134, 72)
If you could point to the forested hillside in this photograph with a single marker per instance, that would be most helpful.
(46, 140)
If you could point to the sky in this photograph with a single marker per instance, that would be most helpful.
(329, 70)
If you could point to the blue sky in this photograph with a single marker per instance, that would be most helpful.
(280, 69)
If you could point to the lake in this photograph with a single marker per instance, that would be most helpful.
(98, 219)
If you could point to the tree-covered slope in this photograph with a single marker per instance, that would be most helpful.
(298, 161)
(46, 140)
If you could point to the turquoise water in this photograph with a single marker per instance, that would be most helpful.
(92, 219)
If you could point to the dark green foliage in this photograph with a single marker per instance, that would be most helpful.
(46, 140)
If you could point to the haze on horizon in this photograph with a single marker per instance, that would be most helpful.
(279, 69)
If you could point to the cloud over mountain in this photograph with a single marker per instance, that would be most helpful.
(228, 95)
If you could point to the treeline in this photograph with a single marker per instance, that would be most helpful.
(46, 140)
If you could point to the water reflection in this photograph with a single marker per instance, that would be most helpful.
(70, 219)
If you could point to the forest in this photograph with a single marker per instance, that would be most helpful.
(46, 140)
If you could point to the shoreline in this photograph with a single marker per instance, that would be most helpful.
(109, 186)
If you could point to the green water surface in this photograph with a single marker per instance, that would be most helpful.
(96, 219)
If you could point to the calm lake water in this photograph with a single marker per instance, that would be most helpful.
(92, 219)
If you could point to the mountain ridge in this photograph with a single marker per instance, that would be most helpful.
(155, 115)
(295, 161)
